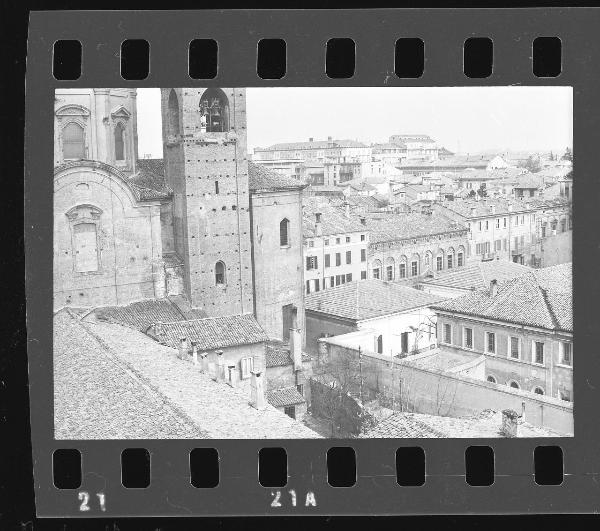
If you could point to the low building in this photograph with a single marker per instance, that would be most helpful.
(235, 345)
(396, 319)
(523, 326)
(335, 246)
(475, 275)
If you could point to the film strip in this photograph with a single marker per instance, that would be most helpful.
(240, 474)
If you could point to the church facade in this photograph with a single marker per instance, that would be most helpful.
(129, 229)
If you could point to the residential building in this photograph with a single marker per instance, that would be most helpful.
(319, 150)
(417, 146)
(506, 228)
(392, 318)
(335, 246)
(523, 326)
(404, 247)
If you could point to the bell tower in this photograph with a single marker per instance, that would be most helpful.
(204, 145)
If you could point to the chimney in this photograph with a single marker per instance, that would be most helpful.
(220, 366)
(296, 348)
(204, 363)
(182, 350)
(231, 375)
(510, 420)
(257, 391)
(347, 209)
(195, 353)
(318, 226)
(493, 287)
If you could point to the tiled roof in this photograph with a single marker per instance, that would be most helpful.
(213, 332)
(487, 423)
(478, 274)
(140, 315)
(541, 298)
(280, 356)
(367, 299)
(333, 219)
(393, 227)
(262, 178)
(491, 175)
(127, 386)
(149, 181)
(287, 396)
(528, 181)
(97, 397)
(483, 207)
(316, 144)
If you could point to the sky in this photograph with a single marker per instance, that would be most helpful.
(463, 119)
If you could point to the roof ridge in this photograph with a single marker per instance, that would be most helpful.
(204, 318)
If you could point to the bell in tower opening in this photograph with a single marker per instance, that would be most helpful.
(214, 112)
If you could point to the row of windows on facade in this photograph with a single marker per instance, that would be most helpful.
(390, 270)
(514, 346)
(312, 262)
(485, 225)
(213, 112)
(332, 281)
(73, 142)
(502, 245)
(338, 241)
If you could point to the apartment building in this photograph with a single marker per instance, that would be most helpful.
(507, 228)
(523, 326)
(335, 246)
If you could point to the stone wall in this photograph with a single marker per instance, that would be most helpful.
(438, 392)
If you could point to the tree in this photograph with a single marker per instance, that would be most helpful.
(482, 192)
(532, 164)
(471, 193)
(568, 155)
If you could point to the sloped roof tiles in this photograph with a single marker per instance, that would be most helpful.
(261, 178)
(213, 332)
(287, 396)
(368, 299)
(333, 219)
(393, 227)
(541, 298)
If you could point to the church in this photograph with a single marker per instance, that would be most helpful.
(203, 223)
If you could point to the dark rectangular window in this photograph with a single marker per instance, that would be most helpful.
(290, 411)
(363, 275)
(389, 272)
(440, 263)
(402, 270)
(362, 237)
(460, 259)
(308, 286)
(347, 239)
(327, 260)
(491, 342)
(348, 277)
(363, 255)
(447, 334)
(566, 354)
(450, 261)
(338, 259)
(332, 280)
(348, 257)
(404, 342)
(539, 352)
(468, 337)
(414, 268)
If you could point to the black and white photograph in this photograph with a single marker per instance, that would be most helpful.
(299, 263)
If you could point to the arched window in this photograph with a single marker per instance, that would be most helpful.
(376, 269)
(415, 265)
(538, 391)
(491, 379)
(73, 142)
(450, 258)
(402, 272)
(284, 232)
(173, 108)
(214, 111)
(514, 384)
(460, 257)
(119, 142)
(220, 273)
(380, 344)
(390, 266)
